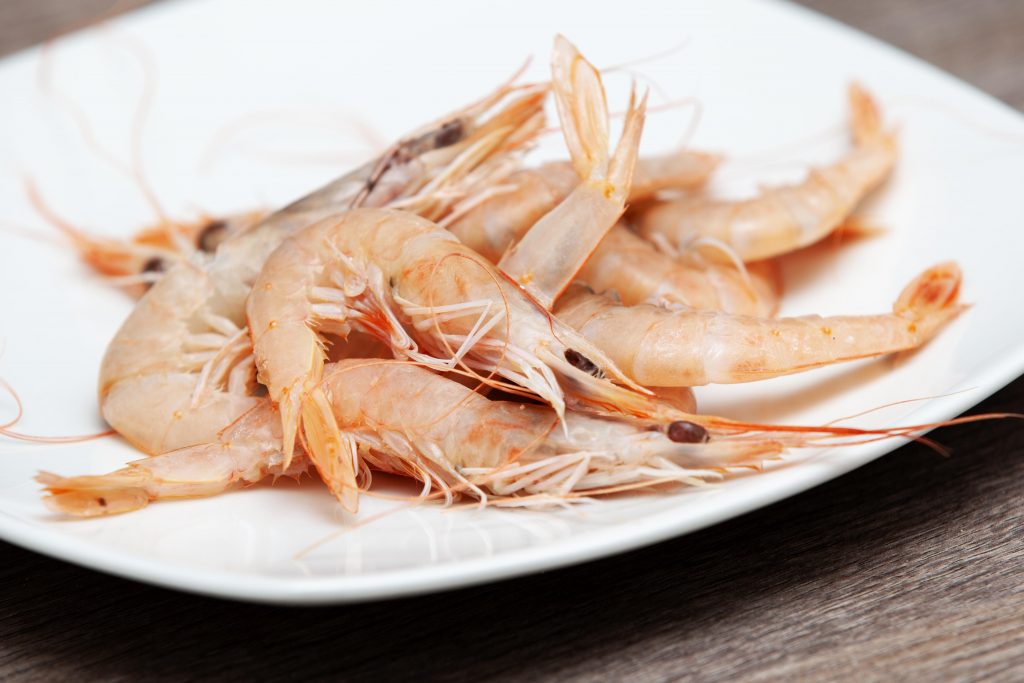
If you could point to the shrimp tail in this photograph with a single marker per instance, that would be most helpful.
(580, 100)
(931, 299)
(333, 453)
(246, 452)
(623, 162)
(866, 119)
(94, 496)
(548, 257)
(290, 406)
(583, 110)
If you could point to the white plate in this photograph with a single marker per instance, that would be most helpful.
(301, 77)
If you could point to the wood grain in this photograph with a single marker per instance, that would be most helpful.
(909, 568)
(24, 23)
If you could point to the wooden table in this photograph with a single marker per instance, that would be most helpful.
(907, 568)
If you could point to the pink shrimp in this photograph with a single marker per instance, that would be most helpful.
(180, 368)
(660, 347)
(397, 417)
(782, 219)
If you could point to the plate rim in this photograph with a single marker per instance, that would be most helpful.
(657, 527)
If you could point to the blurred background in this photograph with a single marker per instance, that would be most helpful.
(977, 40)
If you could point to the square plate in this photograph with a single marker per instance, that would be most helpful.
(255, 103)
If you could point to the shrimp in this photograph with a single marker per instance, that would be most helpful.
(181, 368)
(529, 213)
(782, 219)
(401, 418)
(547, 257)
(659, 347)
(348, 272)
(246, 452)
(456, 440)
(637, 273)
(381, 271)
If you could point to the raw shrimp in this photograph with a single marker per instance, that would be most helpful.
(547, 257)
(382, 272)
(556, 248)
(351, 270)
(416, 423)
(397, 417)
(782, 219)
(180, 368)
(636, 272)
(659, 347)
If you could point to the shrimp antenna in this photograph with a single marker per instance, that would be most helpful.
(458, 355)
(20, 412)
(133, 169)
(899, 403)
(225, 135)
(833, 431)
(945, 108)
(647, 59)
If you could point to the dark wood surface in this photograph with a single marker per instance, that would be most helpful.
(910, 568)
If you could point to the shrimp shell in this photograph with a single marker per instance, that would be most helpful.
(782, 219)
(660, 347)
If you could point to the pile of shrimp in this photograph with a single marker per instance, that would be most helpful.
(516, 334)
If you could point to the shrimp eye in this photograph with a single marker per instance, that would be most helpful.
(211, 236)
(450, 133)
(581, 362)
(154, 265)
(682, 431)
